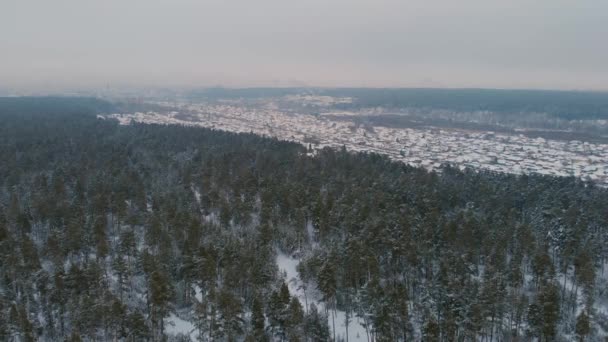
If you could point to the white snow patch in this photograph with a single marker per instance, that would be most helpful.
(175, 325)
(287, 265)
(198, 293)
(197, 194)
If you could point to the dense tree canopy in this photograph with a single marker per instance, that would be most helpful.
(108, 230)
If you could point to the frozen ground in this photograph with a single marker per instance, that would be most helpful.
(287, 264)
(175, 326)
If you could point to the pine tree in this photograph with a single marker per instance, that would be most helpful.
(315, 325)
(584, 271)
(284, 295)
(231, 310)
(453, 248)
(117, 318)
(278, 311)
(549, 297)
(4, 326)
(75, 337)
(535, 318)
(3, 230)
(430, 330)
(122, 271)
(137, 328)
(202, 325)
(25, 326)
(327, 283)
(295, 319)
(101, 239)
(160, 296)
(29, 251)
(542, 266)
(583, 327)
(258, 321)
(128, 243)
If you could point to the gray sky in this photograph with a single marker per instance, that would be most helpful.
(466, 43)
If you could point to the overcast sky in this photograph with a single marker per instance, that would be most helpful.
(560, 44)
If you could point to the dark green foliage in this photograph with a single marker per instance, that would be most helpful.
(106, 230)
(430, 330)
(160, 292)
(315, 325)
(231, 310)
(278, 311)
(583, 327)
(295, 318)
(549, 299)
(258, 332)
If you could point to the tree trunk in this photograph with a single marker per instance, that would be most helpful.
(346, 321)
(333, 323)
(575, 301)
(492, 328)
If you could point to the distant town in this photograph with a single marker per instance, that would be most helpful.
(427, 147)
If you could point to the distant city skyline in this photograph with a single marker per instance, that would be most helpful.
(71, 44)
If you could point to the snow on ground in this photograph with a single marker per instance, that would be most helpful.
(580, 298)
(600, 306)
(602, 285)
(198, 293)
(311, 234)
(175, 325)
(197, 194)
(287, 265)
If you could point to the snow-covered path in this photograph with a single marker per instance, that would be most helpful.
(287, 264)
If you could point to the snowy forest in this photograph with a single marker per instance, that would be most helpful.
(170, 233)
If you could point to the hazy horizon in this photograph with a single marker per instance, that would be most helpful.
(70, 44)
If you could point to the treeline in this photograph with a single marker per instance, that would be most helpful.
(111, 232)
(565, 105)
(52, 105)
